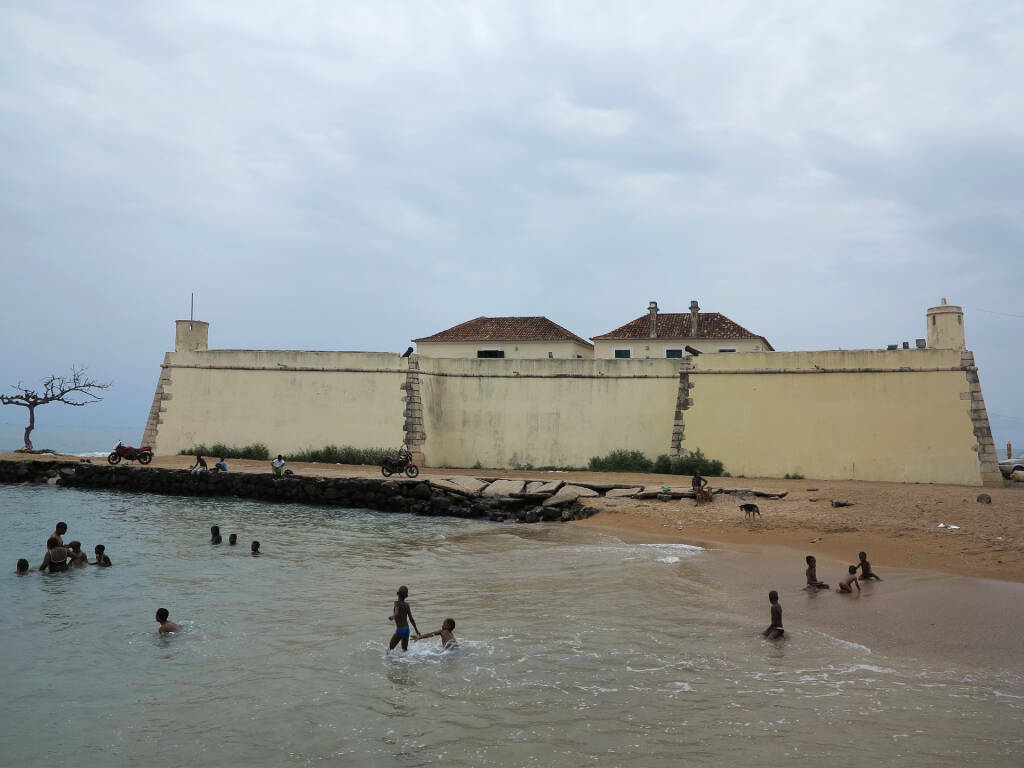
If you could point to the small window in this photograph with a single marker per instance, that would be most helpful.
(623, 354)
(727, 349)
(490, 353)
(674, 353)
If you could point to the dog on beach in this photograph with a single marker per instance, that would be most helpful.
(749, 510)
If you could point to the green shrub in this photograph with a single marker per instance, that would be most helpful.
(690, 463)
(254, 451)
(621, 460)
(794, 476)
(344, 454)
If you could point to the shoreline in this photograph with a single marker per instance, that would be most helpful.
(895, 523)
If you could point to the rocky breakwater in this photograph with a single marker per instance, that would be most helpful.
(496, 499)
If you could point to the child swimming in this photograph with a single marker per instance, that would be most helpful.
(448, 640)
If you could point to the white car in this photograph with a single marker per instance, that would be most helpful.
(1009, 466)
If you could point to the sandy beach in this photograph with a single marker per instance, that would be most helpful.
(895, 523)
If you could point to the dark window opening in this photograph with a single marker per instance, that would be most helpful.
(622, 354)
(490, 353)
(673, 353)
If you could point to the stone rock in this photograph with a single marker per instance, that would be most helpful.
(1018, 476)
(468, 484)
(568, 494)
(422, 491)
(551, 486)
(504, 487)
(534, 486)
(616, 493)
(984, 498)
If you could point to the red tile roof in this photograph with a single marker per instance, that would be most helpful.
(676, 325)
(506, 329)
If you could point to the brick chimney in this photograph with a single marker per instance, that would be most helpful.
(694, 318)
(653, 309)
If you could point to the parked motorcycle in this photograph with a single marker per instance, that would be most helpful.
(142, 455)
(396, 465)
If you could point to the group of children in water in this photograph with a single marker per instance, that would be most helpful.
(846, 584)
(60, 558)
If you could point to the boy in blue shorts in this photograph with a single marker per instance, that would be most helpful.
(402, 615)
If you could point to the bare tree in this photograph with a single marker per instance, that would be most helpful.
(73, 389)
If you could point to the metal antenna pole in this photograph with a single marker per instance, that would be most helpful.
(192, 308)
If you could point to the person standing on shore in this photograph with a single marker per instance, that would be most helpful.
(402, 615)
(774, 630)
(277, 465)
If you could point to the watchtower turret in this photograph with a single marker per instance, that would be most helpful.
(946, 327)
(191, 336)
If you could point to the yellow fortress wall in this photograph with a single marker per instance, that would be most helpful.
(903, 415)
(861, 415)
(507, 413)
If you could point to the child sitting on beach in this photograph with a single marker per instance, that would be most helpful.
(850, 578)
(401, 614)
(166, 627)
(774, 629)
(101, 558)
(865, 568)
(447, 635)
(812, 575)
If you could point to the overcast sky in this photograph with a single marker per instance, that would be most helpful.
(328, 175)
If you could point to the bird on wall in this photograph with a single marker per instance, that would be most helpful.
(407, 352)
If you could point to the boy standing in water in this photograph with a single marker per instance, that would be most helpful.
(865, 568)
(447, 635)
(812, 575)
(402, 615)
(775, 629)
(166, 627)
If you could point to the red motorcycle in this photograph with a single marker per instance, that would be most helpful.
(142, 455)
(396, 465)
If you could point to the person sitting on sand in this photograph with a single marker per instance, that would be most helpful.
(101, 557)
(199, 466)
(222, 465)
(255, 549)
(447, 634)
(58, 533)
(56, 557)
(233, 539)
(812, 575)
(23, 567)
(166, 627)
(215, 534)
(402, 615)
(774, 630)
(848, 579)
(865, 568)
(700, 490)
(277, 465)
(76, 555)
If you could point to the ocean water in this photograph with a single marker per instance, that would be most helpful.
(82, 441)
(576, 648)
